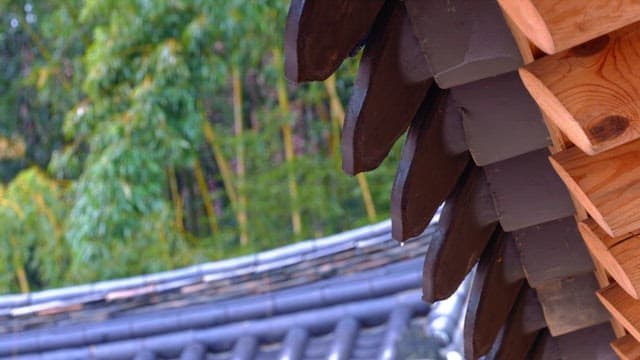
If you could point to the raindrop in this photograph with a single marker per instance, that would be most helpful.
(14, 23)
(28, 7)
(31, 18)
(402, 244)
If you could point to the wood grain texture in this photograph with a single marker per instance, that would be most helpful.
(429, 168)
(569, 304)
(393, 79)
(626, 347)
(314, 53)
(545, 348)
(590, 92)
(519, 333)
(467, 223)
(607, 185)
(463, 40)
(620, 256)
(526, 191)
(590, 343)
(557, 25)
(622, 307)
(494, 291)
(500, 119)
(552, 251)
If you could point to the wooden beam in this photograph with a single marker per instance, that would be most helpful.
(590, 343)
(569, 304)
(619, 256)
(393, 79)
(623, 307)
(500, 119)
(559, 140)
(429, 168)
(607, 185)
(626, 347)
(557, 25)
(552, 251)
(519, 333)
(473, 32)
(313, 53)
(494, 291)
(467, 222)
(526, 191)
(590, 92)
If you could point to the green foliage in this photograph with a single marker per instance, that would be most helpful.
(110, 97)
(30, 211)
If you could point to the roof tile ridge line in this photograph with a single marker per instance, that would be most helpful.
(153, 288)
(358, 310)
(380, 274)
(25, 310)
(259, 267)
(198, 269)
(366, 231)
(227, 319)
(337, 248)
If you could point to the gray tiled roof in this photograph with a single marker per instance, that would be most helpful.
(348, 296)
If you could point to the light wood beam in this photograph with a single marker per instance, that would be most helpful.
(555, 25)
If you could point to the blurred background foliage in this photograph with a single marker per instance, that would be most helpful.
(139, 136)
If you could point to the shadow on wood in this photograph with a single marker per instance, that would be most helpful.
(500, 119)
(552, 251)
(393, 80)
(626, 347)
(545, 348)
(591, 343)
(622, 307)
(619, 256)
(526, 191)
(519, 333)
(463, 40)
(494, 291)
(569, 304)
(467, 222)
(429, 167)
(319, 35)
(607, 185)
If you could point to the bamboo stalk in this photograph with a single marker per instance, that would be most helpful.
(177, 199)
(206, 199)
(21, 275)
(223, 165)
(337, 116)
(367, 198)
(240, 161)
(162, 238)
(287, 135)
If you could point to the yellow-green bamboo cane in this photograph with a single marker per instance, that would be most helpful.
(337, 114)
(18, 264)
(223, 164)
(240, 162)
(206, 198)
(287, 138)
(177, 199)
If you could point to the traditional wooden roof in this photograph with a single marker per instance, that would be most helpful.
(352, 295)
(485, 108)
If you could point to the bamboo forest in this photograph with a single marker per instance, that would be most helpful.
(140, 136)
